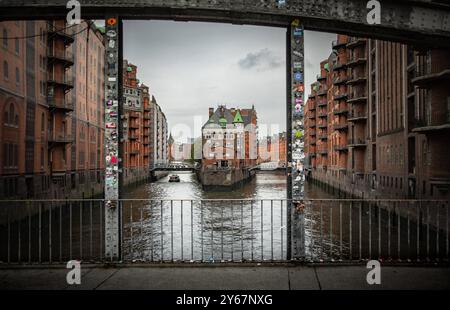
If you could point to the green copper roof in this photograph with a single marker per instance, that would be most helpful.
(238, 117)
(223, 120)
(326, 67)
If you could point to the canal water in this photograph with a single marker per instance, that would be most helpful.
(181, 221)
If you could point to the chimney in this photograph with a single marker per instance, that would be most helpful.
(211, 112)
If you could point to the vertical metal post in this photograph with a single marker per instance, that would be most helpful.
(81, 229)
(9, 237)
(242, 231)
(271, 230)
(251, 227)
(113, 135)
(262, 231)
(182, 237)
(40, 234)
(281, 229)
(201, 227)
(370, 230)
(295, 132)
(232, 232)
(131, 232)
(50, 232)
(90, 229)
(70, 230)
(350, 241)
(162, 232)
(171, 230)
(192, 232)
(221, 230)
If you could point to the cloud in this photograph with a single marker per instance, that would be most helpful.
(261, 60)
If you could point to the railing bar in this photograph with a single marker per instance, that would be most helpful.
(331, 232)
(389, 232)
(60, 233)
(162, 232)
(418, 210)
(251, 224)
(81, 229)
(409, 230)
(242, 231)
(40, 234)
(182, 235)
(281, 230)
(360, 231)
(29, 233)
(379, 231)
(141, 237)
(70, 231)
(437, 231)
(192, 231)
(232, 231)
(171, 230)
(121, 224)
(152, 234)
(101, 206)
(448, 233)
(221, 230)
(212, 235)
(321, 231)
(50, 233)
(201, 224)
(271, 230)
(428, 232)
(340, 230)
(9, 236)
(350, 231)
(131, 232)
(262, 231)
(19, 254)
(90, 229)
(370, 230)
(398, 232)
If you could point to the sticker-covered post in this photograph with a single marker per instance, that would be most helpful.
(112, 139)
(297, 155)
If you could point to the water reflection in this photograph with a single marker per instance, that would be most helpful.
(189, 229)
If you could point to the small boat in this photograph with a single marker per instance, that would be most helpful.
(174, 178)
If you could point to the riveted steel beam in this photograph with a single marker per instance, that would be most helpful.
(417, 22)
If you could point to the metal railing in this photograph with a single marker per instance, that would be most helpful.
(239, 230)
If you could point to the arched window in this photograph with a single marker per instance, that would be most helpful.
(5, 37)
(43, 122)
(5, 70)
(11, 114)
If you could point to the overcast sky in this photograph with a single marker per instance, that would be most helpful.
(191, 66)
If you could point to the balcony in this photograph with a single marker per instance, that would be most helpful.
(425, 76)
(58, 31)
(424, 127)
(312, 125)
(147, 117)
(321, 77)
(341, 96)
(134, 152)
(323, 137)
(59, 139)
(357, 98)
(323, 91)
(60, 55)
(312, 115)
(356, 116)
(340, 80)
(63, 81)
(339, 66)
(312, 96)
(134, 126)
(340, 126)
(322, 103)
(322, 114)
(356, 80)
(341, 111)
(60, 104)
(146, 142)
(132, 137)
(322, 125)
(133, 115)
(338, 44)
(354, 42)
(323, 152)
(341, 148)
(311, 107)
(312, 133)
(358, 142)
(147, 109)
(312, 154)
(356, 61)
(147, 125)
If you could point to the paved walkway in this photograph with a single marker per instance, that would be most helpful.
(225, 278)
